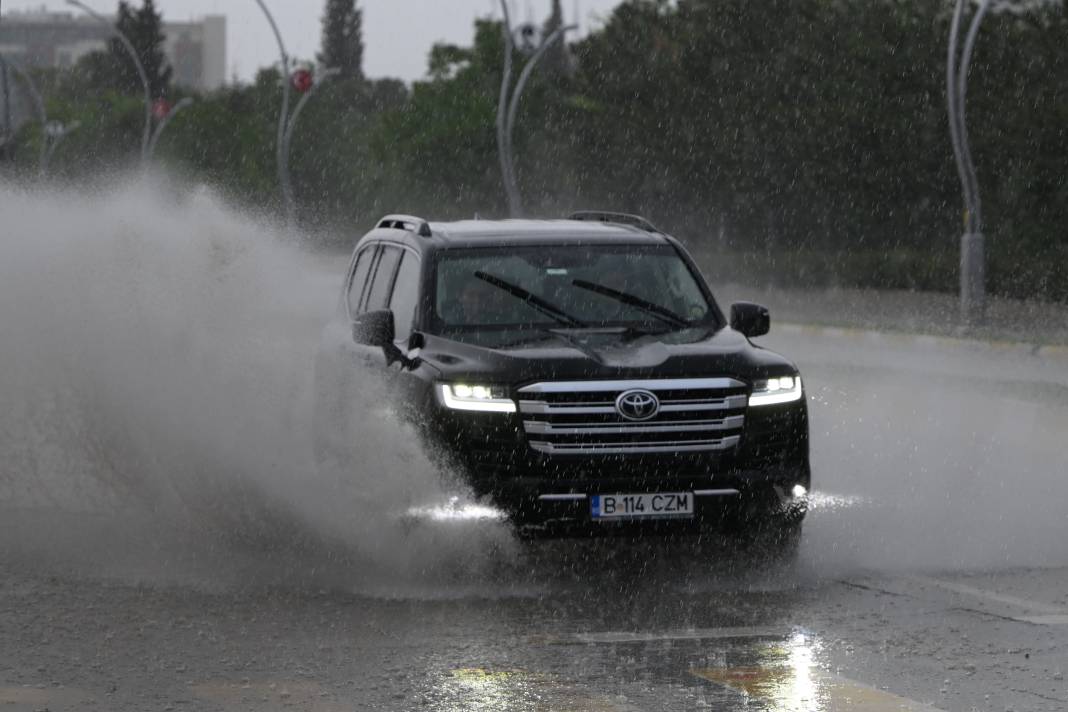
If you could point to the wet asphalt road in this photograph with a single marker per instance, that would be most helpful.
(933, 575)
(722, 641)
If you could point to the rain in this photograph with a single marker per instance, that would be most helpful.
(533, 355)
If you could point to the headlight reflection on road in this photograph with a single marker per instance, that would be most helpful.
(784, 677)
(800, 692)
(457, 511)
(484, 690)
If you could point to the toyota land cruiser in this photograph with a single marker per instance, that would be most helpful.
(578, 372)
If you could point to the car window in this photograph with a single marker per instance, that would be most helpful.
(382, 282)
(358, 285)
(405, 295)
(604, 286)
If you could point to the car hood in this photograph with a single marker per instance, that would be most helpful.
(557, 356)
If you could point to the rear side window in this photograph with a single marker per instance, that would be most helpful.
(359, 278)
(405, 295)
(382, 282)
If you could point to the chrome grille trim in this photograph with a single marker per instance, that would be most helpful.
(561, 497)
(548, 409)
(582, 417)
(539, 427)
(664, 384)
(634, 448)
(543, 408)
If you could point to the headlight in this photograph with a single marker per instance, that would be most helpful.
(773, 391)
(488, 399)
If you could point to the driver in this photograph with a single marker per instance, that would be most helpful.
(471, 305)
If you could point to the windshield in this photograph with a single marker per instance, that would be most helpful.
(567, 286)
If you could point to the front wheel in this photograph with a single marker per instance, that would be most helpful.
(769, 521)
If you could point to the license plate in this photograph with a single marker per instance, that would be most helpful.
(642, 506)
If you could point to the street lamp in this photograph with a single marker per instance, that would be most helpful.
(52, 131)
(38, 102)
(972, 246)
(303, 82)
(508, 108)
(164, 113)
(132, 51)
(283, 120)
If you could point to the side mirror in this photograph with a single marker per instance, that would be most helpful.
(375, 328)
(750, 319)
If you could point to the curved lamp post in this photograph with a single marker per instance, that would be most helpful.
(508, 108)
(38, 104)
(972, 249)
(291, 124)
(165, 118)
(132, 51)
(283, 119)
(52, 132)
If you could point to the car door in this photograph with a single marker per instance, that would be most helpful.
(375, 295)
(405, 298)
(404, 303)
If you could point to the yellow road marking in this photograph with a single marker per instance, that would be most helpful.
(784, 676)
(814, 691)
(40, 697)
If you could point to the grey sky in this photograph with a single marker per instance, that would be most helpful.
(398, 34)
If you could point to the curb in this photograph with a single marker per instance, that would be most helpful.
(1055, 353)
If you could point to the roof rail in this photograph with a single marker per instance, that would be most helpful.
(620, 218)
(406, 222)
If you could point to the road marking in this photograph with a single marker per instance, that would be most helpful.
(804, 690)
(1045, 620)
(1047, 612)
(693, 634)
(270, 695)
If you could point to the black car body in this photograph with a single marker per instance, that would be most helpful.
(558, 416)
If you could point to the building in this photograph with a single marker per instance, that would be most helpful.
(196, 50)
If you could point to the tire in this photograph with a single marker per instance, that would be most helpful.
(766, 527)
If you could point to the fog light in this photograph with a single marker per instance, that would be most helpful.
(799, 491)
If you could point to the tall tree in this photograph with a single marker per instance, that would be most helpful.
(343, 38)
(557, 58)
(144, 28)
(149, 42)
(120, 73)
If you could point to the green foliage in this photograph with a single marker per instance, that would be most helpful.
(802, 141)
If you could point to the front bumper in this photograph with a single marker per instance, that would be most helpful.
(496, 459)
(716, 498)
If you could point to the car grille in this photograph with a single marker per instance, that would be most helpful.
(581, 417)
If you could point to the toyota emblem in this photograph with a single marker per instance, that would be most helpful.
(638, 405)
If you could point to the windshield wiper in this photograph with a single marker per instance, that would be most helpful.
(534, 301)
(662, 313)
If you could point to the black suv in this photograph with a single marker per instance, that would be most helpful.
(577, 372)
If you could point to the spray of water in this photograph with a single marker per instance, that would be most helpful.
(156, 371)
(157, 377)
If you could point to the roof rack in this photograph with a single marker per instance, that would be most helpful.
(406, 222)
(620, 218)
